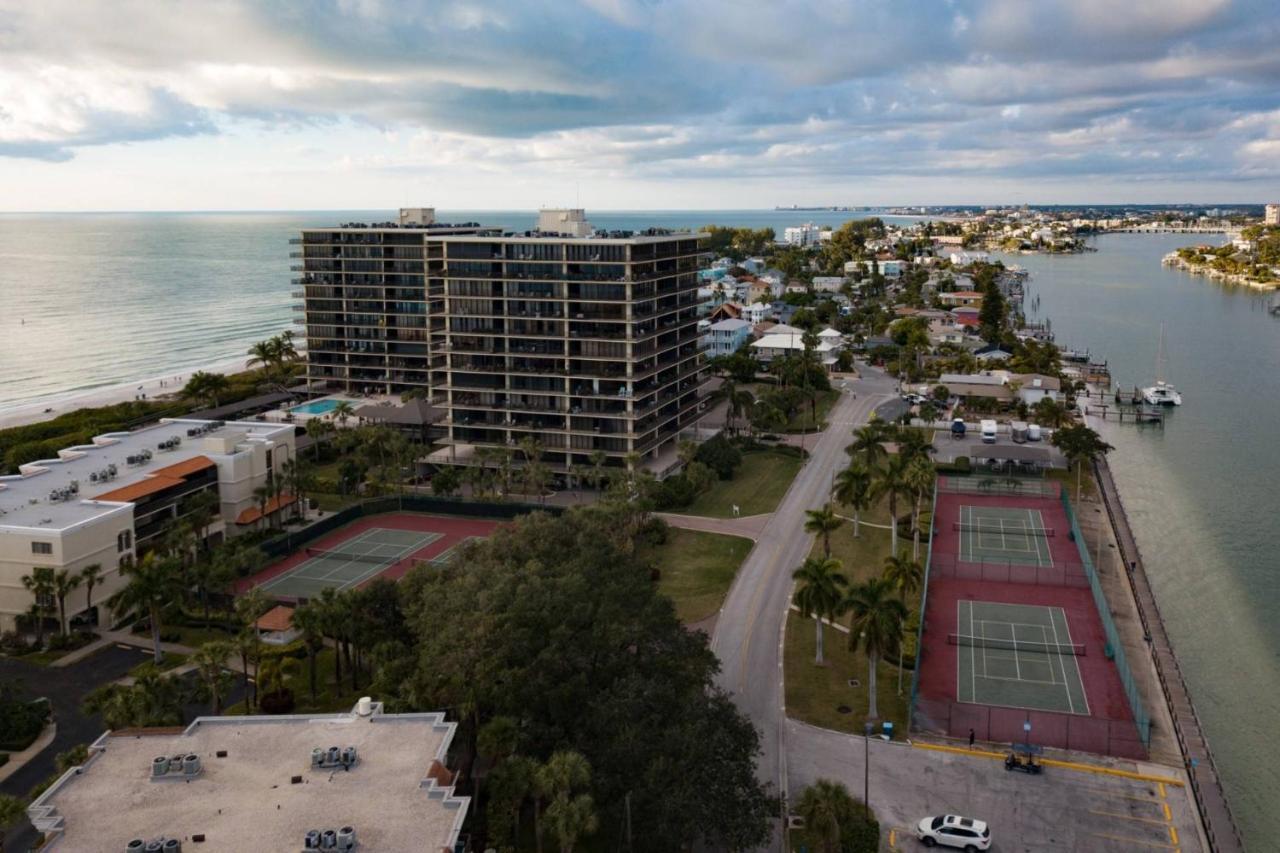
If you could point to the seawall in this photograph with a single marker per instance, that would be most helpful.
(1211, 800)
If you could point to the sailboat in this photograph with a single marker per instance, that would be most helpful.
(1162, 393)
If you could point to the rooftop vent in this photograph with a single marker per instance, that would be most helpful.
(333, 758)
(170, 443)
(156, 845)
(177, 767)
(343, 839)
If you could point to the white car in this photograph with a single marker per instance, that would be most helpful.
(954, 831)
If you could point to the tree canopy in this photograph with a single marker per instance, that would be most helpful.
(555, 623)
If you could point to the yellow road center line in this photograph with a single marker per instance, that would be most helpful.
(1162, 793)
(1131, 840)
(1173, 834)
(893, 838)
(1123, 816)
(1168, 815)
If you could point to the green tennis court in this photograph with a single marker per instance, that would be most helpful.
(351, 563)
(1017, 656)
(996, 534)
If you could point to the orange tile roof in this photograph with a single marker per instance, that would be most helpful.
(252, 514)
(278, 618)
(140, 489)
(184, 469)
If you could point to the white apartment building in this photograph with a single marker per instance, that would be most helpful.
(807, 234)
(103, 502)
(1272, 214)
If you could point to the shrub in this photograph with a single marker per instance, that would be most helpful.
(720, 455)
(674, 493)
(21, 722)
(654, 532)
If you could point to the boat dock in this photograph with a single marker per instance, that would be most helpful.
(1210, 798)
(1121, 405)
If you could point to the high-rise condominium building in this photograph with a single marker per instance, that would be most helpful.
(1272, 216)
(583, 340)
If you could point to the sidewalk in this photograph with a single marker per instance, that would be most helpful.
(749, 527)
(18, 760)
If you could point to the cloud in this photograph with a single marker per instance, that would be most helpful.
(671, 89)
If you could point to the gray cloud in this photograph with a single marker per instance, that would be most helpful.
(1053, 89)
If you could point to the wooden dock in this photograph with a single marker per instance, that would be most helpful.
(1126, 413)
(1211, 800)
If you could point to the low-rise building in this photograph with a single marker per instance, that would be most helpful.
(363, 780)
(104, 502)
(726, 337)
(961, 298)
(828, 283)
(964, 259)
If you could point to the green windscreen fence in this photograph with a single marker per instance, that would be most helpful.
(1140, 716)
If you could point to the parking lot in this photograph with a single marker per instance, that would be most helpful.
(1062, 809)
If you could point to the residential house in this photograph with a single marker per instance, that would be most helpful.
(828, 283)
(964, 259)
(1034, 387)
(755, 313)
(725, 311)
(961, 297)
(726, 337)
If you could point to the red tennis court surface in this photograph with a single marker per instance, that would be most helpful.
(450, 532)
(1108, 728)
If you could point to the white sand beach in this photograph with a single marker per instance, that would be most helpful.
(153, 388)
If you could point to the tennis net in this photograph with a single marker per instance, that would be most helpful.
(347, 555)
(976, 527)
(1076, 649)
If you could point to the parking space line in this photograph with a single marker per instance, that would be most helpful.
(1128, 817)
(1122, 838)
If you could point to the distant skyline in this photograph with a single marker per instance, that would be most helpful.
(636, 104)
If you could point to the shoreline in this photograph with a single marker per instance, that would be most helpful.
(1216, 819)
(23, 414)
(1172, 260)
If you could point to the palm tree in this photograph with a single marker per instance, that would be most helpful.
(201, 510)
(823, 522)
(914, 443)
(919, 478)
(597, 459)
(891, 483)
(868, 443)
(153, 584)
(853, 489)
(343, 412)
(554, 783)
(91, 576)
(905, 575)
(875, 625)
(211, 661)
(40, 584)
(264, 354)
(739, 400)
(64, 583)
(495, 741)
(827, 808)
(262, 496)
(249, 609)
(319, 429)
(206, 388)
(12, 810)
(309, 619)
(1079, 444)
(819, 594)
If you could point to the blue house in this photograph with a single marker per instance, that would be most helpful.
(726, 337)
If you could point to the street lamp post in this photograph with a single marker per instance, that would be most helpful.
(866, 766)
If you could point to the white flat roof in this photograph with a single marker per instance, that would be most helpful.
(247, 800)
(25, 500)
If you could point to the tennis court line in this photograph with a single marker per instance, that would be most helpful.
(1066, 626)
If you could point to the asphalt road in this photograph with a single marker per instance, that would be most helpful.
(748, 634)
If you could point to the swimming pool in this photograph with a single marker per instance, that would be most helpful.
(317, 407)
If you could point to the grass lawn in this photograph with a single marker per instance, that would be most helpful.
(332, 503)
(1068, 480)
(815, 694)
(195, 637)
(170, 661)
(803, 421)
(758, 485)
(863, 557)
(697, 570)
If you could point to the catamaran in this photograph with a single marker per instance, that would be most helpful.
(1162, 393)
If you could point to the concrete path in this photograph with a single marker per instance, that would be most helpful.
(748, 527)
(18, 760)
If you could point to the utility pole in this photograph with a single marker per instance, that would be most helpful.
(866, 766)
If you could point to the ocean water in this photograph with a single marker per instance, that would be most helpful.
(1201, 493)
(98, 299)
(92, 300)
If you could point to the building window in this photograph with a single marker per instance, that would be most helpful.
(124, 541)
(41, 547)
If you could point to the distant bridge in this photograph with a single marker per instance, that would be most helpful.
(1165, 228)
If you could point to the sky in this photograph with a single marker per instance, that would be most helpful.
(635, 104)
